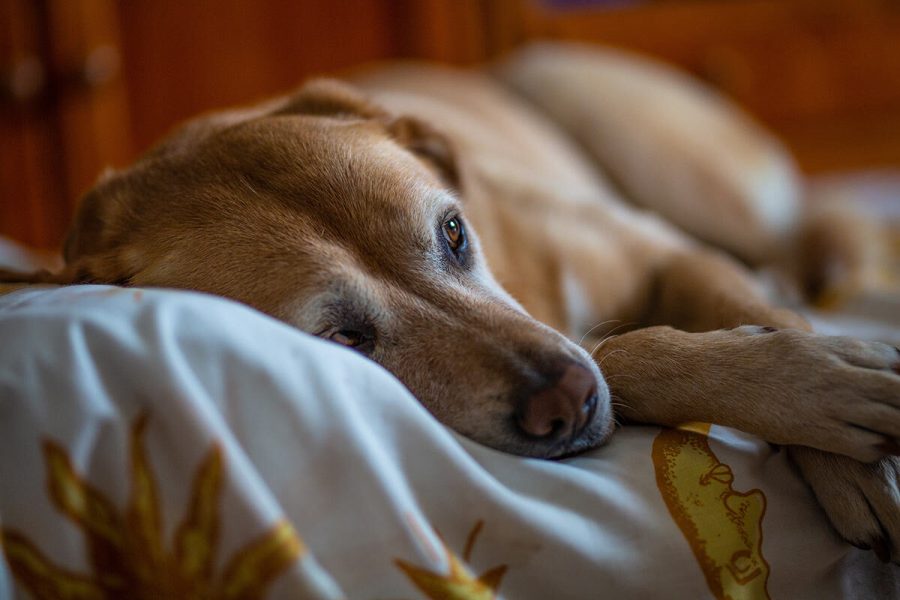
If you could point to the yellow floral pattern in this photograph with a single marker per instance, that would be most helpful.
(722, 526)
(125, 550)
(459, 583)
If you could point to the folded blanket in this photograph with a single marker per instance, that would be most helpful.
(181, 444)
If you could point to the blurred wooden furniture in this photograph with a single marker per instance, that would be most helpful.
(90, 83)
(62, 111)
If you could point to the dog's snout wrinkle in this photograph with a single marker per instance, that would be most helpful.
(561, 409)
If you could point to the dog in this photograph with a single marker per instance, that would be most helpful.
(443, 226)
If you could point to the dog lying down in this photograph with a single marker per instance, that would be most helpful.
(456, 228)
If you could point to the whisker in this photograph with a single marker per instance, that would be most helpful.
(602, 342)
(615, 376)
(616, 401)
(246, 183)
(610, 336)
(613, 353)
(618, 327)
(589, 331)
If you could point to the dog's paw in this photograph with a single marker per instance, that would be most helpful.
(862, 500)
(839, 394)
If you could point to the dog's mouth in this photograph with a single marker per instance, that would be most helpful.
(596, 431)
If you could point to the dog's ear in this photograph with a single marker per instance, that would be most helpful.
(95, 249)
(83, 249)
(428, 144)
(331, 98)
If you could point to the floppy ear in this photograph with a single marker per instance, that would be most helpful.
(76, 269)
(93, 247)
(331, 98)
(100, 246)
(81, 268)
(428, 144)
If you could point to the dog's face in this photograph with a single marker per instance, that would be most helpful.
(332, 216)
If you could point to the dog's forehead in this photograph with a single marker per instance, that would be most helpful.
(323, 165)
(347, 179)
(314, 149)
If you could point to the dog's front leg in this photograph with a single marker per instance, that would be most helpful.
(786, 386)
(756, 368)
(736, 360)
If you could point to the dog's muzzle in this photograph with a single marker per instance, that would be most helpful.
(560, 411)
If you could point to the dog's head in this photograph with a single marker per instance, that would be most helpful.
(328, 213)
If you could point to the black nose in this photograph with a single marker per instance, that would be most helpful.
(561, 409)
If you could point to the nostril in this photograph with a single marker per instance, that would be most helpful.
(557, 427)
(543, 417)
(590, 404)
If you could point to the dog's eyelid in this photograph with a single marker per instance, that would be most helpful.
(453, 209)
(344, 324)
(346, 311)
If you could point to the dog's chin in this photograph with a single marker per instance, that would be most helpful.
(595, 433)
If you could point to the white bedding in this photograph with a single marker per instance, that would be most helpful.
(332, 481)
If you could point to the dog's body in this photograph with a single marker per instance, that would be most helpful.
(355, 219)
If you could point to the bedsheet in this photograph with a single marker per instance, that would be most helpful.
(162, 443)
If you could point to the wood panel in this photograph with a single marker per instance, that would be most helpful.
(91, 108)
(448, 31)
(30, 174)
(59, 130)
(182, 58)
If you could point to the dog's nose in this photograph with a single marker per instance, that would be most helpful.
(561, 409)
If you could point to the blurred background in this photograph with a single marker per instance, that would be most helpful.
(90, 83)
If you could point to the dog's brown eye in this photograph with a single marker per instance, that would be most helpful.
(453, 233)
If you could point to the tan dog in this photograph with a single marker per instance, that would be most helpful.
(346, 214)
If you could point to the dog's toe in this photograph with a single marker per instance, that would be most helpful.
(862, 501)
(867, 354)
